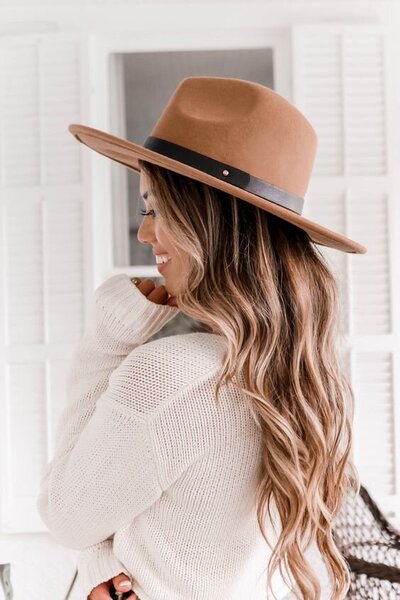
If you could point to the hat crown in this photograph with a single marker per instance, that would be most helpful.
(234, 135)
(243, 124)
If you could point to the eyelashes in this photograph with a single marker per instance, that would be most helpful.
(144, 213)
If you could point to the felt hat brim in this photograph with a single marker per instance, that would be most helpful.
(127, 153)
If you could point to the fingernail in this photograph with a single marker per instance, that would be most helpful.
(125, 583)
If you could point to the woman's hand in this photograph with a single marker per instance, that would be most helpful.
(103, 591)
(159, 294)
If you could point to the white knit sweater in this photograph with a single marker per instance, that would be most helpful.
(150, 476)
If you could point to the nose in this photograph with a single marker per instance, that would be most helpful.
(145, 234)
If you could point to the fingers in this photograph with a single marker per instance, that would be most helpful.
(159, 294)
(117, 583)
(172, 301)
(100, 592)
(103, 590)
(145, 285)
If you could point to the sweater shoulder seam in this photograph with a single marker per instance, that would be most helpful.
(152, 417)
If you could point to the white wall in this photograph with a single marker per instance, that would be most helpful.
(42, 166)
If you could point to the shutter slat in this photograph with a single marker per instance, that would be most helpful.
(21, 113)
(64, 249)
(371, 276)
(60, 105)
(24, 241)
(26, 407)
(374, 418)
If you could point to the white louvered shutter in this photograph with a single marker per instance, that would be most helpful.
(42, 257)
(341, 81)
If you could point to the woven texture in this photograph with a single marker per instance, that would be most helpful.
(371, 546)
(150, 476)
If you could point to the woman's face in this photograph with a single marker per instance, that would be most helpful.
(151, 231)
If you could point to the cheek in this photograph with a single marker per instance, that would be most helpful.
(178, 267)
(181, 266)
(179, 259)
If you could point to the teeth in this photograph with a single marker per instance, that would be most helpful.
(162, 259)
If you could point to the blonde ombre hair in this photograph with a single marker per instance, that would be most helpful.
(261, 283)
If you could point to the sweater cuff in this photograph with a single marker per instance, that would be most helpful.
(126, 313)
(97, 564)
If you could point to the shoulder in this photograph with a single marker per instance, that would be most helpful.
(156, 370)
(202, 346)
(186, 356)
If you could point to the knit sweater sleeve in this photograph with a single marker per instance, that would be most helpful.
(90, 454)
(97, 564)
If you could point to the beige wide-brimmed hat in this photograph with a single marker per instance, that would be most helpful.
(235, 135)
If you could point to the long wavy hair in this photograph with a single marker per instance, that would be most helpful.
(265, 286)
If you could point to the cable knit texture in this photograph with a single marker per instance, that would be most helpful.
(150, 476)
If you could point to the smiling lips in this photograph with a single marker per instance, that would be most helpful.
(162, 258)
(162, 265)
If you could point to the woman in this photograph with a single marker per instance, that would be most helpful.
(211, 465)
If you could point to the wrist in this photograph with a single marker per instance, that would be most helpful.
(126, 314)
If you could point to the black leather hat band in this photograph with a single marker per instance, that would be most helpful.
(225, 172)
